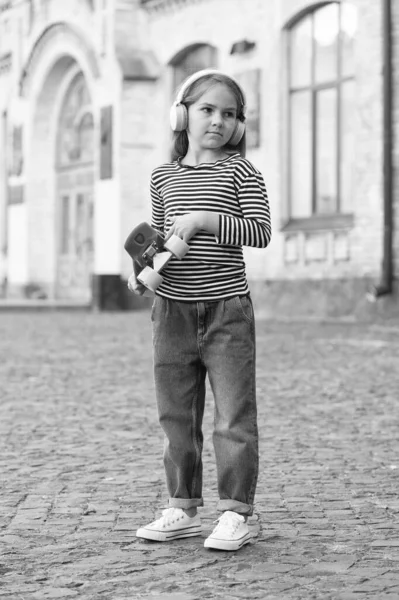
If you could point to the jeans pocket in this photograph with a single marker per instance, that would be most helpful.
(244, 305)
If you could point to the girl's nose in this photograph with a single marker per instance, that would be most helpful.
(216, 118)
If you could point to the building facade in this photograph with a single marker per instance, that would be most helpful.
(85, 91)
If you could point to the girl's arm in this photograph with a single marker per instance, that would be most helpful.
(252, 229)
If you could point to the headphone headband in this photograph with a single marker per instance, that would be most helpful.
(193, 78)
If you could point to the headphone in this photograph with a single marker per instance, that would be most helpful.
(179, 114)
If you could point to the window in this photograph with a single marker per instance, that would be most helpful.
(321, 111)
(191, 60)
(76, 127)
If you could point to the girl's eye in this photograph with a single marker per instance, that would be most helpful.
(229, 114)
(206, 109)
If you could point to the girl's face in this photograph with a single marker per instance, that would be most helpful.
(212, 118)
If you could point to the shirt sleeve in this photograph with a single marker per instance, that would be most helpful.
(158, 210)
(254, 227)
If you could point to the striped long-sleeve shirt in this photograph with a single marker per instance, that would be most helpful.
(214, 267)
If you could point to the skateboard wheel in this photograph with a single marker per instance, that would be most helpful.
(176, 246)
(150, 278)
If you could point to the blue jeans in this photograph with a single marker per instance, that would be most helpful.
(191, 340)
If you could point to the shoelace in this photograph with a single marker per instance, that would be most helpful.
(169, 516)
(228, 522)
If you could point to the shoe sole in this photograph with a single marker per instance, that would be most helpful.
(230, 546)
(161, 536)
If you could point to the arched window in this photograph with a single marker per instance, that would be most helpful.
(75, 137)
(321, 111)
(190, 60)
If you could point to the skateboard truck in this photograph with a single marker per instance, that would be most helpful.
(150, 253)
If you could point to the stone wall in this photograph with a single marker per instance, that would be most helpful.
(355, 251)
(134, 49)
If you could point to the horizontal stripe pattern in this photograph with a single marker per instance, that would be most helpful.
(214, 268)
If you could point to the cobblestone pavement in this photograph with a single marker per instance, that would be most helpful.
(81, 466)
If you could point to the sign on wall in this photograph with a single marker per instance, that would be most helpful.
(106, 143)
(17, 159)
(15, 194)
(16, 165)
(250, 82)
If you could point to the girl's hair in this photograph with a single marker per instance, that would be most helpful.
(192, 94)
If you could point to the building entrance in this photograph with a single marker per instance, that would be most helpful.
(75, 194)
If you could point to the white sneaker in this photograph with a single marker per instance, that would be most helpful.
(230, 533)
(173, 524)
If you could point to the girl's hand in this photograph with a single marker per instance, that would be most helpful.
(185, 226)
(135, 286)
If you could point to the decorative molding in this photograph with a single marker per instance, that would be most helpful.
(59, 31)
(154, 6)
(32, 14)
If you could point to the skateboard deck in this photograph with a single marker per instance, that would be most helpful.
(150, 253)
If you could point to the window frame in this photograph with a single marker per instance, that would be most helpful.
(315, 221)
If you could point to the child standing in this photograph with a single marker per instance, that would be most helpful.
(202, 315)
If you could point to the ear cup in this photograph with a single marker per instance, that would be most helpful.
(178, 117)
(237, 134)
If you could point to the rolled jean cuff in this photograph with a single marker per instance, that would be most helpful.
(235, 506)
(186, 502)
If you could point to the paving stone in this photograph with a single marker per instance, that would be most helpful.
(54, 593)
(394, 543)
(81, 458)
(323, 567)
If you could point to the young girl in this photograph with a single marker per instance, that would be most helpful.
(202, 315)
